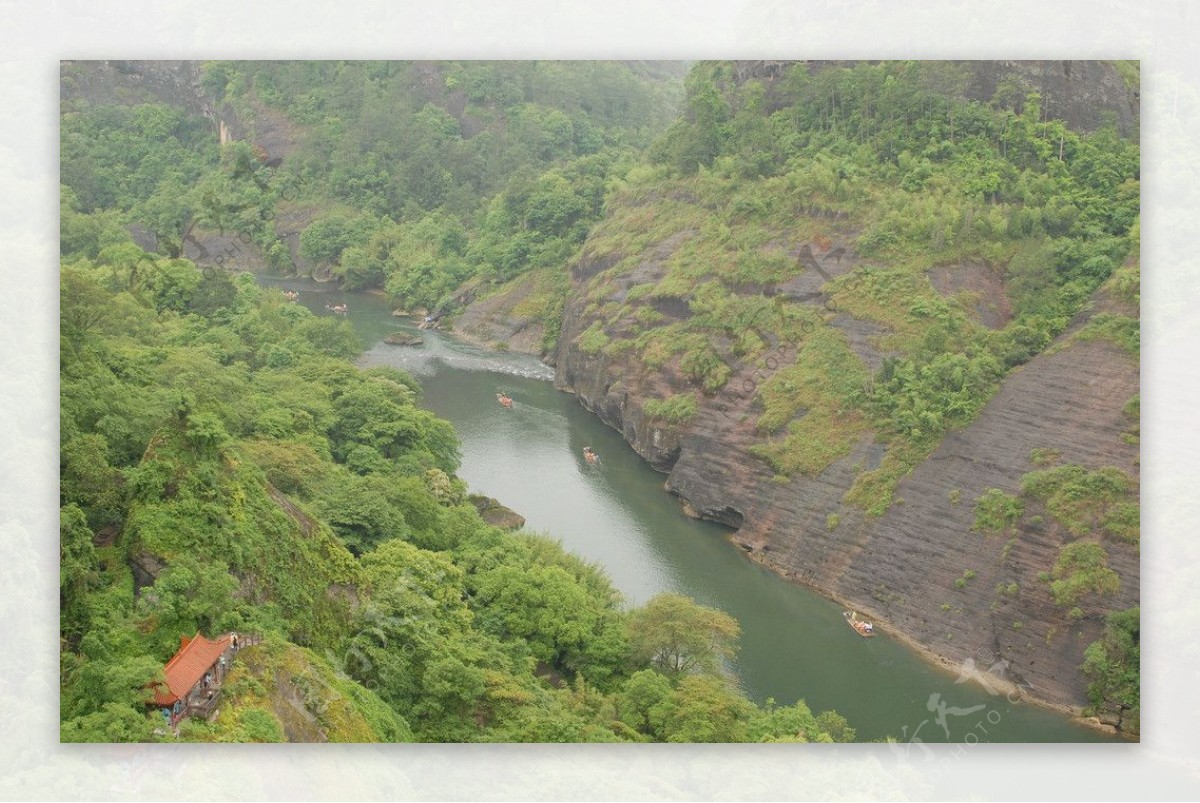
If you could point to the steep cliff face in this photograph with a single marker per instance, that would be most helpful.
(908, 562)
(745, 334)
(905, 568)
(513, 317)
(174, 83)
(1085, 94)
(178, 83)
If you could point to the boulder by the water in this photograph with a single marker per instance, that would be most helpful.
(404, 339)
(497, 514)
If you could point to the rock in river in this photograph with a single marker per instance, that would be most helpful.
(403, 339)
(497, 514)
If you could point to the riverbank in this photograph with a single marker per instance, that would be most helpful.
(512, 317)
(794, 643)
(981, 659)
(975, 673)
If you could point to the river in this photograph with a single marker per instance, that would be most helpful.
(794, 643)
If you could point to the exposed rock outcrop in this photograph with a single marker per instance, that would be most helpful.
(511, 317)
(174, 83)
(403, 339)
(903, 568)
(496, 514)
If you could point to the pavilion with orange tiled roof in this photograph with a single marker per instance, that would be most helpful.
(196, 657)
(193, 676)
(191, 684)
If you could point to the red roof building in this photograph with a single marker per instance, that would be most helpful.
(197, 656)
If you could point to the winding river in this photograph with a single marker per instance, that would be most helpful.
(794, 643)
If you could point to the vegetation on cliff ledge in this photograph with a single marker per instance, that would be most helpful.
(888, 164)
(856, 252)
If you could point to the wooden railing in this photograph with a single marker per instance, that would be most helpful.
(249, 639)
(205, 706)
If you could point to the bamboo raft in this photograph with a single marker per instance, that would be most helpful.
(864, 629)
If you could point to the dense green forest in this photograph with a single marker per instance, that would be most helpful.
(890, 157)
(225, 466)
(418, 178)
(217, 438)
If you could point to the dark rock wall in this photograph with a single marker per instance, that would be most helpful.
(1071, 400)
(1086, 94)
(900, 568)
(175, 83)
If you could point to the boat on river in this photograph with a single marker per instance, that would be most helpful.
(864, 629)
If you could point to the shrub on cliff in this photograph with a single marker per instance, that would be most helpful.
(1113, 665)
(997, 512)
(1081, 570)
(678, 409)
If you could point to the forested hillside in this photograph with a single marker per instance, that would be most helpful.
(813, 305)
(879, 317)
(434, 180)
(953, 239)
(226, 467)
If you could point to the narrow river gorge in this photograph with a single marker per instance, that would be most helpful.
(794, 643)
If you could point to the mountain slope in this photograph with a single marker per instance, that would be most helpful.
(854, 312)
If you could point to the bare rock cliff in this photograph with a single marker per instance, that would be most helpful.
(900, 568)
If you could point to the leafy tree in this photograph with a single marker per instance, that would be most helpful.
(698, 138)
(796, 723)
(83, 304)
(705, 708)
(678, 636)
(360, 512)
(416, 645)
(78, 571)
(106, 698)
(88, 482)
(326, 336)
(327, 237)
(544, 606)
(173, 284)
(644, 701)
(836, 725)
(111, 723)
(190, 596)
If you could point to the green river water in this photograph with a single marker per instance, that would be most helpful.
(794, 644)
